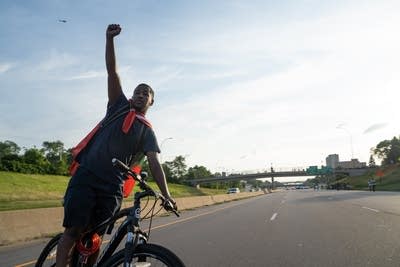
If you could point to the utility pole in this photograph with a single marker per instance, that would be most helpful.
(162, 142)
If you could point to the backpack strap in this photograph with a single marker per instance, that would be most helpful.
(131, 116)
(103, 123)
(136, 146)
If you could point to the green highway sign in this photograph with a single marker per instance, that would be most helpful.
(314, 170)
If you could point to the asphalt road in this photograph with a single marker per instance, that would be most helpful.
(288, 228)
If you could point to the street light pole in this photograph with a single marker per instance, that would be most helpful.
(161, 144)
(351, 138)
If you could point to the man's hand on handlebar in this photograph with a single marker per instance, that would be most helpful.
(169, 204)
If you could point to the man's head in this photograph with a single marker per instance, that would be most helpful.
(143, 97)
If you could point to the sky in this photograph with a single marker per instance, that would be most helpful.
(239, 85)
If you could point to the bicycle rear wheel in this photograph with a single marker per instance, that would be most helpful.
(147, 255)
(48, 256)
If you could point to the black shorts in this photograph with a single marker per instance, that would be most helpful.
(90, 200)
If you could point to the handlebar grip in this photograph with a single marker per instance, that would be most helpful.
(168, 206)
(117, 163)
(176, 213)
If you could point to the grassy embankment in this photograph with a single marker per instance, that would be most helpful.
(390, 181)
(28, 191)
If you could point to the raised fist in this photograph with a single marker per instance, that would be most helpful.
(113, 30)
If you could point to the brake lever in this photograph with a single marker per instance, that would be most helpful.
(168, 206)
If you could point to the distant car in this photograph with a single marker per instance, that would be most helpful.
(233, 190)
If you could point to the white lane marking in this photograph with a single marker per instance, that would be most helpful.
(370, 209)
(273, 216)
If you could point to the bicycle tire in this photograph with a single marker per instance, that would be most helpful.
(151, 253)
(49, 253)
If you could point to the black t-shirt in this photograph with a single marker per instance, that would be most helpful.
(111, 142)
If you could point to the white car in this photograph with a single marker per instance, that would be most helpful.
(233, 190)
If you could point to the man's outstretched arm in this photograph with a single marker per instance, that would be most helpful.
(114, 84)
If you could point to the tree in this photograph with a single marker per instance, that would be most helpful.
(8, 148)
(10, 162)
(57, 156)
(371, 161)
(198, 172)
(388, 151)
(37, 162)
(176, 169)
(54, 151)
(34, 156)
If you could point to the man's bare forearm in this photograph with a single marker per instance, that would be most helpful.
(158, 174)
(110, 56)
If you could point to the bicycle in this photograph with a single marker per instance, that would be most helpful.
(137, 251)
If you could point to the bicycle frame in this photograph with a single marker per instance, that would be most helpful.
(130, 228)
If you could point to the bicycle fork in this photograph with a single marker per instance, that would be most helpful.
(134, 237)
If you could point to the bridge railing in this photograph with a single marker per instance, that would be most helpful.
(267, 170)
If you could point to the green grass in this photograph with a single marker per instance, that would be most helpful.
(28, 191)
(389, 182)
(17, 186)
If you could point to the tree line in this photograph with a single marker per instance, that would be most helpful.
(54, 158)
(51, 158)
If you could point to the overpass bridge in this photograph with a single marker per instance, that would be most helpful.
(246, 177)
(275, 174)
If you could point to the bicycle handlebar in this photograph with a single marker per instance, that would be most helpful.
(166, 203)
(117, 163)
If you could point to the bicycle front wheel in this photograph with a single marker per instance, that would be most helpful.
(147, 255)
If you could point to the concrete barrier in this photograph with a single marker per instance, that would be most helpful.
(24, 225)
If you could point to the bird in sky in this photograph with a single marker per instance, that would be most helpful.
(62, 20)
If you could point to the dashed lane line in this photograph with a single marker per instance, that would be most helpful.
(273, 216)
(370, 209)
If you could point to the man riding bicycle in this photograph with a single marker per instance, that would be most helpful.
(94, 192)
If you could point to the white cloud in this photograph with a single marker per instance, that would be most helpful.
(88, 75)
(375, 127)
(4, 67)
(57, 60)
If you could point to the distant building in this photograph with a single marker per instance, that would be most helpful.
(352, 164)
(333, 162)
